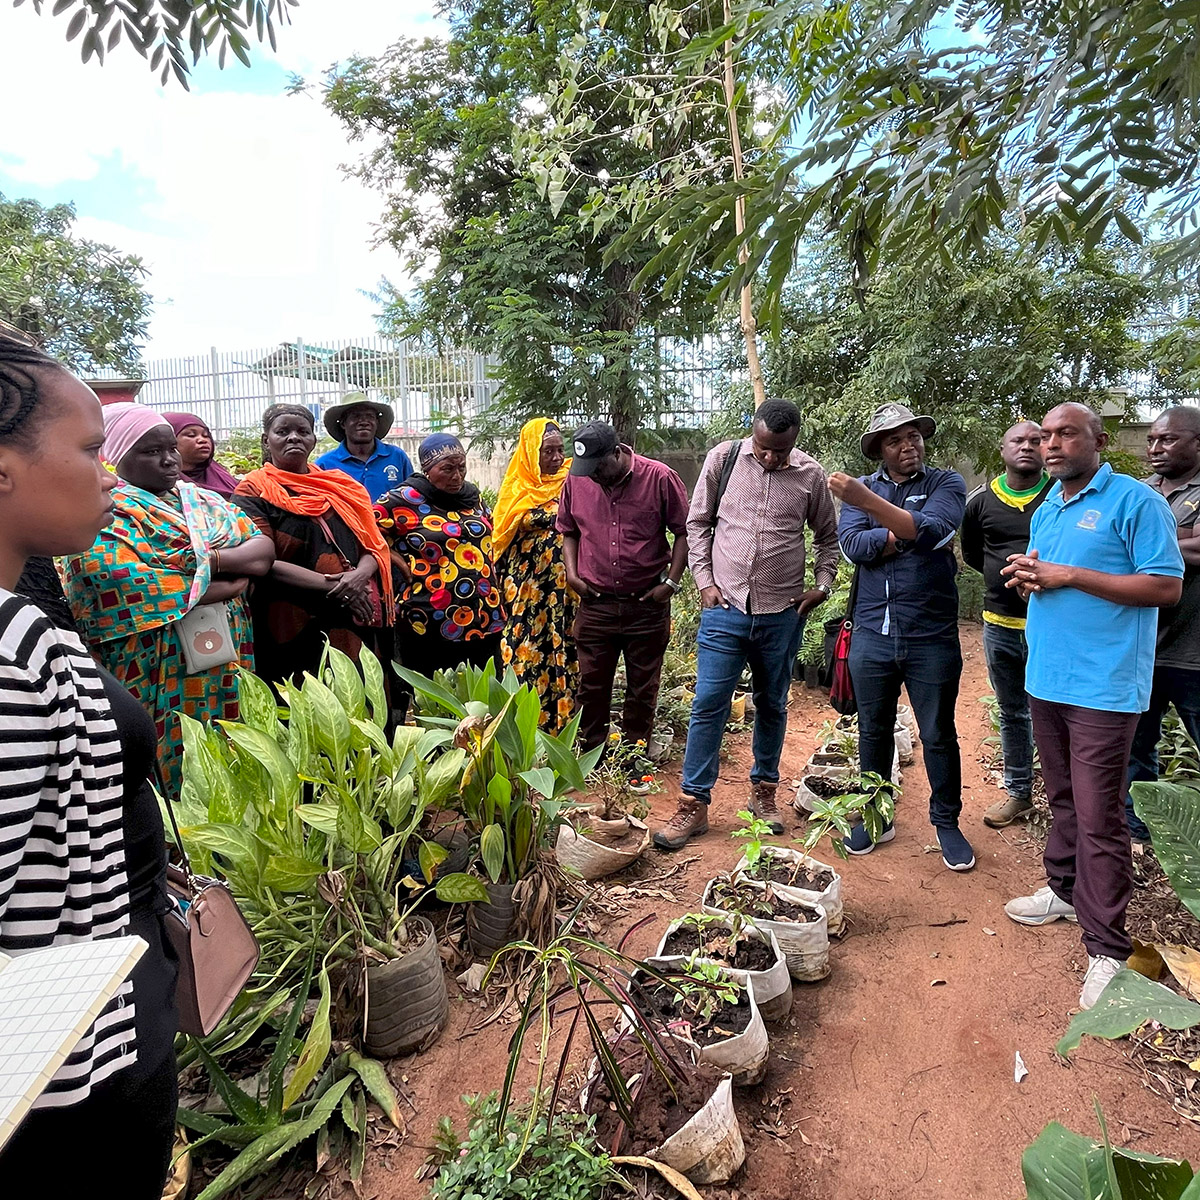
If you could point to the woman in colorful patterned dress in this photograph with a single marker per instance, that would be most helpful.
(173, 549)
(440, 534)
(537, 641)
(332, 575)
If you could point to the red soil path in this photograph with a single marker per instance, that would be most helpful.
(886, 1084)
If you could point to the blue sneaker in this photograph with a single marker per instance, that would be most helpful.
(956, 850)
(859, 842)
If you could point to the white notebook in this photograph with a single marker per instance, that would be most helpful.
(48, 1001)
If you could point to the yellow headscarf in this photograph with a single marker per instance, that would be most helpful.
(524, 487)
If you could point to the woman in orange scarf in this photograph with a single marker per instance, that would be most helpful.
(537, 641)
(332, 577)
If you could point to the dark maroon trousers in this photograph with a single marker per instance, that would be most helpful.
(605, 629)
(1085, 755)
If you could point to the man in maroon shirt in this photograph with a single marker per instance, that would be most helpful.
(614, 514)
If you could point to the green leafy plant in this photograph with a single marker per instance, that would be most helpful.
(1062, 1165)
(495, 1161)
(705, 988)
(312, 814)
(1172, 813)
(1126, 1004)
(870, 799)
(270, 1118)
(753, 832)
(513, 777)
(1178, 758)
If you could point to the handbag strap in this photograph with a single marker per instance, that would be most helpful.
(346, 564)
(183, 854)
(852, 599)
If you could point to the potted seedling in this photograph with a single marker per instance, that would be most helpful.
(800, 926)
(712, 1006)
(870, 800)
(790, 871)
(731, 941)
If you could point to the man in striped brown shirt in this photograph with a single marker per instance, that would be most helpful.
(747, 554)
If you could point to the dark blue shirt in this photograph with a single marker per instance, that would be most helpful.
(387, 468)
(912, 593)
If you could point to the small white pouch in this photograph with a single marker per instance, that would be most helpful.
(206, 637)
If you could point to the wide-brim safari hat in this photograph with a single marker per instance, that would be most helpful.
(888, 417)
(385, 415)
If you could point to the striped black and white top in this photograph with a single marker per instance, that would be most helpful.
(62, 852)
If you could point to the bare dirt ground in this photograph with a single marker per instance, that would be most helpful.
(894, 1077)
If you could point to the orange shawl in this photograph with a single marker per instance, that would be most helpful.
(318, 492)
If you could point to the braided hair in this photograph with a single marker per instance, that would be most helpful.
(21, 386)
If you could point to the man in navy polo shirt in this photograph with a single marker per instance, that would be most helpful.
(1103, 558)
(360, 425)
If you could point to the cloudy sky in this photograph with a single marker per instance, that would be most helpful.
(231, 192)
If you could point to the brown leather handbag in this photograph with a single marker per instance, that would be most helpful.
(216, 948)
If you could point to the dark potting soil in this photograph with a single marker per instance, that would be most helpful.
(664, 1006)
(759, 902)
(799, 875)
(830, 758)
(657, 1114)
(750, 954)
(825, 788)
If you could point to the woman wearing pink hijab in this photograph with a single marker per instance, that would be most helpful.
(197, 448)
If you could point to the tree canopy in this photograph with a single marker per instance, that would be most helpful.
(509, 262)
(977, 347)
(171, 34)
(913, 131)
(83, 300)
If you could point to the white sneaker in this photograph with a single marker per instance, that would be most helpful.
(1099, 975)
(1040, 909)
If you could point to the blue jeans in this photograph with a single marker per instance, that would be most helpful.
(930, 668)
(1172, 685)
(727, 640)
(1007, 652)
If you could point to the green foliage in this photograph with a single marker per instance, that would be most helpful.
(870, 799)
(82, 300)
(169, 33)
(977, 346)
(1126, 1004)
(1062, 1165)
(496, 1161)
(913, 131)
(1171, 811)
(705, 988)
(510, 263)
(312, 814)
(753, 832)
(1178, 757)
(511, 777)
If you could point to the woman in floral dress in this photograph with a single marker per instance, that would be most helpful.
(439, 532)
(537, 641)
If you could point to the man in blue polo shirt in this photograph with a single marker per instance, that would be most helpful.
(1103, 558)
(360, 425)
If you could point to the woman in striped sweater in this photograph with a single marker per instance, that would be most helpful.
(81, 841)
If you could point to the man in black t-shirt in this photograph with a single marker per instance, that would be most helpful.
(1173, 447)
(996, 525)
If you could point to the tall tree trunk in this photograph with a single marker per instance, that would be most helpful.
(748, 323)
(621, 316)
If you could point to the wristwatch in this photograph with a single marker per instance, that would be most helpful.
(824, 587)
(673, 585)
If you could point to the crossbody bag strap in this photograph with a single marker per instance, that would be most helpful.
(731, 456)
(183, 854)
(347, 565)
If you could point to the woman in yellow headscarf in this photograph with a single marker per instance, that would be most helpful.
(537, 640)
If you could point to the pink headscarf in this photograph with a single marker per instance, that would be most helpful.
(124, 424)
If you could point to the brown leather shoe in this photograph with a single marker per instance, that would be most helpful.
(1007, 812)
(763, 806)
(690, 820)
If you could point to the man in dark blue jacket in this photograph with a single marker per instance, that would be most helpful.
(897, 527)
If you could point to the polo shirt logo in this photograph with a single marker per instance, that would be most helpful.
(392, 473)
(1089, 519)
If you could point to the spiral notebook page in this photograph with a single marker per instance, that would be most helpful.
(48, 1000)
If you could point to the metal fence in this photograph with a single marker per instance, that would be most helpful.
(231, 389)
(427, 387)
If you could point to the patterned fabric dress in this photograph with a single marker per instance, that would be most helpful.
(453, 594)
(537, 640)
(146, 570)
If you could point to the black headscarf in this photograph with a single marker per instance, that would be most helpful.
(466, 497)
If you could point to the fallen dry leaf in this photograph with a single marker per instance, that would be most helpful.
(1184, 964)
(936, 982)
(989, 932)
(1146, 960)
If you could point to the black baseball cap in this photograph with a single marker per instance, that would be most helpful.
(593, 442)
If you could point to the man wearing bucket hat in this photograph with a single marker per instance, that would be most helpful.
(897, 526)
(360, 424)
